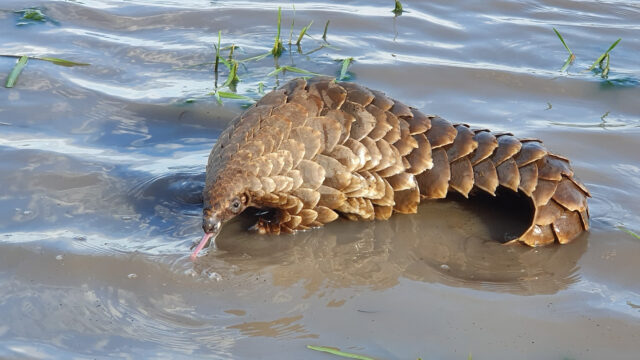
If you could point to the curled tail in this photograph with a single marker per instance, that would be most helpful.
(477, 159)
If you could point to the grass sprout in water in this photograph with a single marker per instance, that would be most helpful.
(344, 75)
(233, 65)
(324, 33)
(277, 46)
(337, 352)
(303, 32)
(215, 67)
(61, 62)
(397, 10)
(22, 62)
(31, 16)
(571, 55)
(291, 69)
(604, 59)
(622, 228)
(233, 78)
(15, 72)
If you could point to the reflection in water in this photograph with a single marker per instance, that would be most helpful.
(283, 327)
(445, 243)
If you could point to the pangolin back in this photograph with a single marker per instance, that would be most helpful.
(316, 149)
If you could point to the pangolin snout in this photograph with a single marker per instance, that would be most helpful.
(211, 226)
(210, 223)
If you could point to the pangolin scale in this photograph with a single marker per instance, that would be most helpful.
(316, 149)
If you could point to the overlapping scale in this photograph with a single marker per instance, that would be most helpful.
(316, 149)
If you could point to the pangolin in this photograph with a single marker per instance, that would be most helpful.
(317, 149)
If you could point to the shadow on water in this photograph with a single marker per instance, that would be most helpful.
(619, 82)
(447, 242)
(167, 202)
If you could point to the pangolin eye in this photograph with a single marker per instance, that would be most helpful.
(235, 205)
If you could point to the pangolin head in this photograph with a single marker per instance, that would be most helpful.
(223, 200)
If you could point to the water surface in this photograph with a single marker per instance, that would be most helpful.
(102, 168)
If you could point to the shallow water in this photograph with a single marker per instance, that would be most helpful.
(102, 168)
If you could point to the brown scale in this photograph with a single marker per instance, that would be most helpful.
(316, 149)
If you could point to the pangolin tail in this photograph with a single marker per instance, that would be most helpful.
(477, 159)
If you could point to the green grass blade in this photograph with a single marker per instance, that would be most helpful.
(261, 88)
(256, 58)
(605, 71)
(299, 71)
(303, 32)
(230, 95)
(345, 65)
(62, 62)
(629, 232)
(225, 63)
(293, 22)
(613, 45)
(276, 71)
(325, 45)
(338, 352)
(231, 50)
(17, 69)
(215, 67)
(33, 14)
(563, 43)
(277, 46)
(233, 74)
(601, 57)
(568, 62)
(324, 33)
(598, 61)
(398, 8)
(218, 99)
(291, 69)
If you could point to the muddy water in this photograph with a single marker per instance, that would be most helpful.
(102, 167)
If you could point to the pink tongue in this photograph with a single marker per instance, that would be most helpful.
(201, 245)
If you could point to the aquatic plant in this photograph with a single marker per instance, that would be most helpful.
(622, 228)
(571, 55)
(604, 58)
(603, 61)
(215, 68)
(324, 33)
(233, 64)
(291, 69)
(303, 32)
(343, 70)
(277, 46)
(337, 352)
(30, 16)
(22, 61)
(17, 69)
(398, 8)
